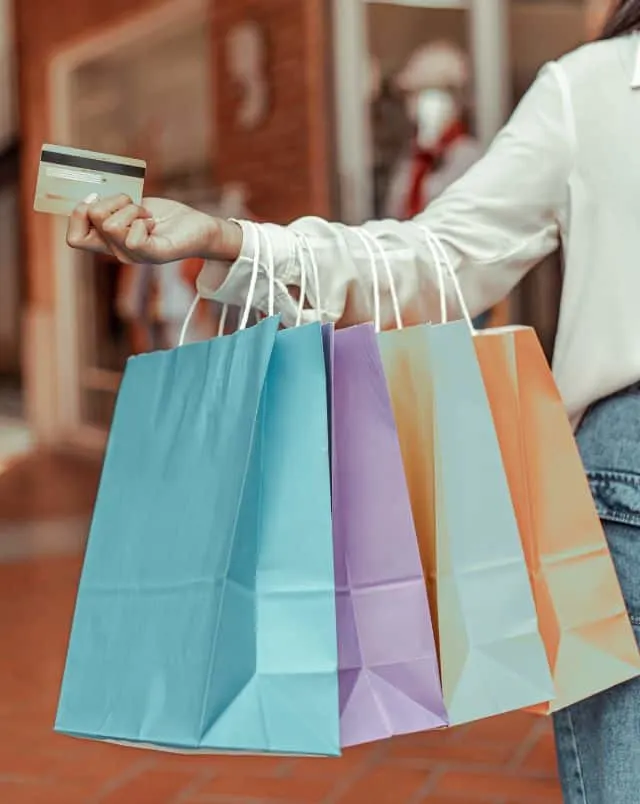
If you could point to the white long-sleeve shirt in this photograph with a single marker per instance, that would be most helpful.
(565, 170)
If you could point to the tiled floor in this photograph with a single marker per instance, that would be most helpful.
(506, 761)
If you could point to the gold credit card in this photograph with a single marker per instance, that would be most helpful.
(66, 176)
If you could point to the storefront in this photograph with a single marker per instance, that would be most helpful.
(167, 80)
(505, 42)
(159, 83)
(144, 88)
(388, 32)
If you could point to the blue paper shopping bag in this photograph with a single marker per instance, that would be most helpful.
(205, 617)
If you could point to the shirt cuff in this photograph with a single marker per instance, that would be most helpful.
(276, 246)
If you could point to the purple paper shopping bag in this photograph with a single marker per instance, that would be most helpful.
(388, 668)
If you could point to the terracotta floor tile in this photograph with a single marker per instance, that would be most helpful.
(248, 766)
(42, 485)
(49, 763)
(487, 787)
(437, 738)
(155, 786)
(352, 760)
(541, 759)
(476, 752)
(21, 793)
(433, 799)
(287, 789)
(470, 765)
(386, 785)
(516, 725)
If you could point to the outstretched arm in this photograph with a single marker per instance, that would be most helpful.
(496, 223)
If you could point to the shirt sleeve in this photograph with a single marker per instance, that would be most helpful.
(498, 221)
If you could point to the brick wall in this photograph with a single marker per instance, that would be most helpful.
(285, 162)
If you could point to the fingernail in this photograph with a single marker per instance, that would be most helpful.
(91, 198)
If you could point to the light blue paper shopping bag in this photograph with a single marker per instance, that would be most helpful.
(205, 617)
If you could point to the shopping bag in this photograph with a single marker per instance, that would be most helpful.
(583, 619)
(389, 676)
(205, 617)
(491, 653)
(492, 659)
(328, 341)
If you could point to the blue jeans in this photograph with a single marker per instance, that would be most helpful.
(598, 740)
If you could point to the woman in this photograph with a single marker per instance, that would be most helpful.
(565, 170)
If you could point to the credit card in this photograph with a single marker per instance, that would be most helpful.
(66, 176)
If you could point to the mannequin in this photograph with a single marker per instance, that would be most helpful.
(391, 130)
(434, 83)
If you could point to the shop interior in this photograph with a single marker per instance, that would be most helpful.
(153, 99)
(152, 96)
(399, 36)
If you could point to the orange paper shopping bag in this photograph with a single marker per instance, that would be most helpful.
(583, 619)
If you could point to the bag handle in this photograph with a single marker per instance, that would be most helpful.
(271, 271)
(437, 260)
(303, 241)
(187, 321)
(374, 279)
(367, 238)
(250, 293)
(440, 272)
(443, 261)
(300, 240)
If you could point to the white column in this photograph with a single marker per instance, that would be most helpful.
(489, 37)
(354, 146)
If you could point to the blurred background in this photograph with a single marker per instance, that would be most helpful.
(275, 109)
(271, 109)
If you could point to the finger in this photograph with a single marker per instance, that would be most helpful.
(116, 226)
(95, 243)
(92, 242)
(79, 226)
(144, 212)
(99, 211)
(138, 235)
(81, 234)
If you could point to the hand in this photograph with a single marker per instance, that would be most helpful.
(159, 231)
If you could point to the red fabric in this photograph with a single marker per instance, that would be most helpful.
(425, 161)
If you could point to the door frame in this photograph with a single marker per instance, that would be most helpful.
(140, 27)
(489, 43)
